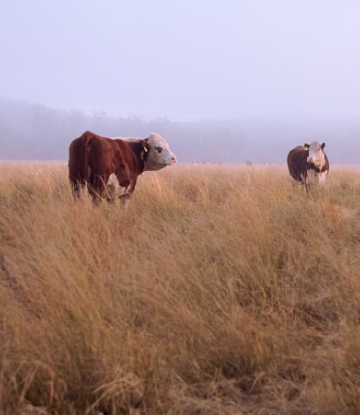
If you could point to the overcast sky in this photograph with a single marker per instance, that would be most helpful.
(185, 59)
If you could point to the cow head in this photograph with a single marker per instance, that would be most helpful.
(316, 153)
(157, 154)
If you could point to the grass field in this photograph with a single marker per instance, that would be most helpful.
(220, 290)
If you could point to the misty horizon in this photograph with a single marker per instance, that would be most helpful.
(38, 132)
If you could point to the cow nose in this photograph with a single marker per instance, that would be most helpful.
(173, 159)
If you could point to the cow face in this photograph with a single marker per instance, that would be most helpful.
(316, 153)
(158, 155)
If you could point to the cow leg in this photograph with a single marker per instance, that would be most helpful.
(75, 189)
(124, 200)
(98, 188)
(111, 201)
(79, 189)
(83, 192)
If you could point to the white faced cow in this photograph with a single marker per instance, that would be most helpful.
(109, 168)
(308, 164)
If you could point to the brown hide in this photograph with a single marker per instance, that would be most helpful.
(298, 165)
(104, 156)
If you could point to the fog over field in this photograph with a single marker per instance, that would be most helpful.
(39, 132)
(230, 80)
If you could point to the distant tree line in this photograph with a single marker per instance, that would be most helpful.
(36, 132)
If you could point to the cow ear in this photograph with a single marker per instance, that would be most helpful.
(322, 146)
(306, 146)
(145, 145)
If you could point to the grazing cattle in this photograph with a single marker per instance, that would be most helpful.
(109, 168)
(249, 163)
(220, 163)
(196, 162)
(308, 164)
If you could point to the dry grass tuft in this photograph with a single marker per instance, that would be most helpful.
(219, 290)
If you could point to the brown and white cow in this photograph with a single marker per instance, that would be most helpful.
(109, 167)
(308, 164)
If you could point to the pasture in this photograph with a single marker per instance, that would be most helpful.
(220, 290)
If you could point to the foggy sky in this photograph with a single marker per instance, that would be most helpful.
(187, 60)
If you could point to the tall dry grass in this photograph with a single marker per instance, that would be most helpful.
(219, 290)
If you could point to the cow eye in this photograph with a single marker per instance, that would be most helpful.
(159, 149)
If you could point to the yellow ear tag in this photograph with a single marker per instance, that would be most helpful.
(306, 148)
(146, 150)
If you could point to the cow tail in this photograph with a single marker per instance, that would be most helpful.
(78, 162)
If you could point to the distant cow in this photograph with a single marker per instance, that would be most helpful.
(109, 168)
(249, 163)
(220, 163)
(196, 161)
(308, 164)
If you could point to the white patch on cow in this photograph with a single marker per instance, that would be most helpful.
(131, 139)
(314, 177)
(159, 154)
(316, 155)
(114, 187)
(311, 177)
